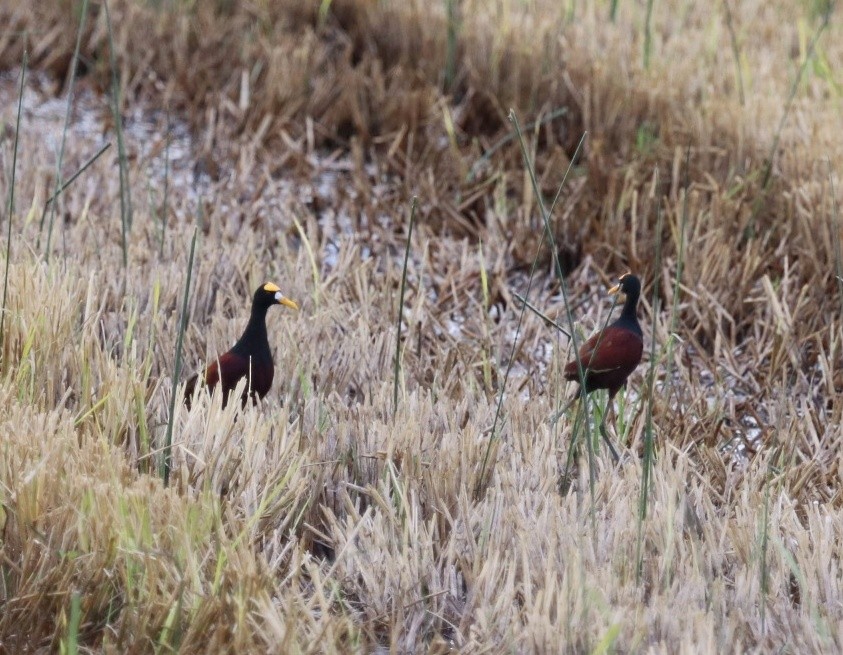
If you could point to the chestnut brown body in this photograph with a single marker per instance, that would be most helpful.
(609, 357)
(250, 358)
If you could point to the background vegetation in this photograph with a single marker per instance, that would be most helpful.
(289, 138)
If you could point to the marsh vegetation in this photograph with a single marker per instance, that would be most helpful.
(425, 507)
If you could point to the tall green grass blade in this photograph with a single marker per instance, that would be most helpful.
(647, 461)
(125, 189)
(648, 34)
(11, 205)
(504, 140)
(564, 286)
(51, 201)
(70, 643)
(836, 228)
(613, 10)
(324, 10)
(170, 635)
(165, 202)
(552, 244)
(499, 405)
(680, 265)
(168, 441)
(763, 572)
(397, 367)
(486, 356)
(60, 159)
(541, 314)
(736, 52)
(546, 233)
(311, 257)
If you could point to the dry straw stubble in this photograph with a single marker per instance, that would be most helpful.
(317, 523)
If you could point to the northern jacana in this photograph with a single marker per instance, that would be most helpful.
(610, 356)
(250, 357)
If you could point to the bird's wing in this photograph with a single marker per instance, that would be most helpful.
(615, 349)
(229, 368)
(212, 373)
(584, 356)
(233, 368)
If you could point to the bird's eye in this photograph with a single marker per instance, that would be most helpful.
(278, 296)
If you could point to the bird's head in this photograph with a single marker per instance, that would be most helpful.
(270, 294)
(628, 285)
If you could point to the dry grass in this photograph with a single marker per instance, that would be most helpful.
(323, 522)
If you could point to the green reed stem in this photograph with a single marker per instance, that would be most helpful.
(168, 442)
(73, 66)
(11, 205)
(399, 319)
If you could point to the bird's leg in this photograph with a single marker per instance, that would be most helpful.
(610, 408)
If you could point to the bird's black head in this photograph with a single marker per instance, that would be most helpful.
(629, 285)
(269, 294)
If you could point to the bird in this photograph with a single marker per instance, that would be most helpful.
(610, 356)
(250, 357)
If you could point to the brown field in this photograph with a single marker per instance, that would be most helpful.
(290, 138)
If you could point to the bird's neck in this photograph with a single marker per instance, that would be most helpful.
(629, 315)
(254, 342)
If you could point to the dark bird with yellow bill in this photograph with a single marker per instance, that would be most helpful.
(250, 357)
(609, 357)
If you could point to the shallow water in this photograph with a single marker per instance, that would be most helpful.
(165, 154)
